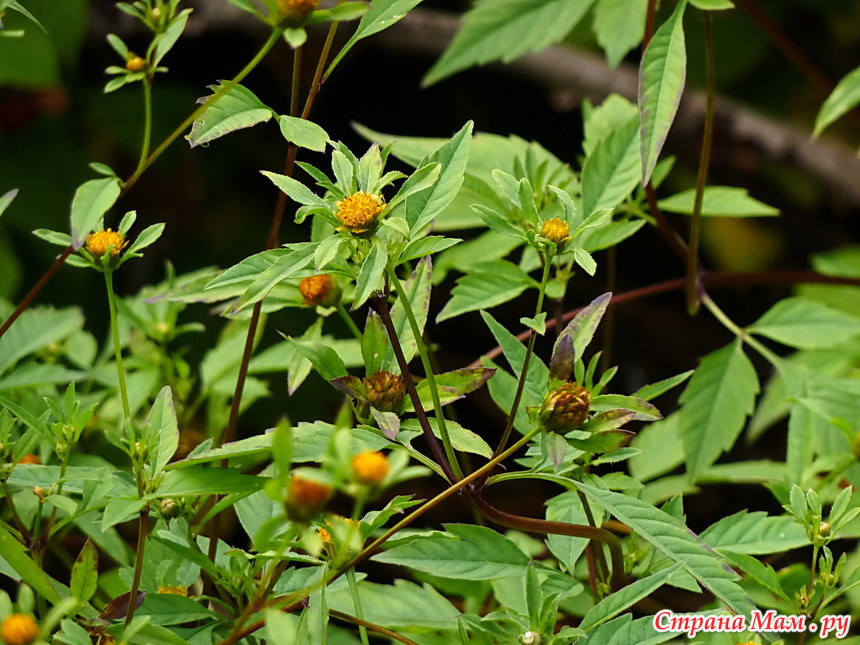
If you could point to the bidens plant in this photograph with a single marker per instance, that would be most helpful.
(530, 494)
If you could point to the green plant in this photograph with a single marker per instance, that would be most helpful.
(135, 431)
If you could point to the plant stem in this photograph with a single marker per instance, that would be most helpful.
(371, 626)
(741, 333)
(506, 434)
(147, 122)
(25, 534)
(409, 384)
(138, 564)
(349, 321)
(356, 601)
(693, 303)
(114, 326)
(229, 85)
(428, 370)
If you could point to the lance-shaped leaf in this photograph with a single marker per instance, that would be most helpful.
(661, 83)
(619, 26)
(451, 385)
(613, 170)
(85, 574)
(718, 201)
(844, 98)
(6, 199)
(374, 343)
(417, 289)
(284, 267)
(806, 324)
(161, 432)
(642, 410)
(505, 30)
(715, 404)
(92, 200)
(673, 539)
(463, 439)
(325, 360)
(235, 109)
(19, 560)
(578, 333)
(487, 285)
(371, 277)
(388, 422)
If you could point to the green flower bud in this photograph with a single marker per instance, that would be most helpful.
(385, 391)
(565, 408)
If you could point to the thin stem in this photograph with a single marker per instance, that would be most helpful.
(138, 564)
(428, 370)
(704, 160)
(506, 434)
(348, 320)
(123, 391)
(229, 85)
(356, 602)
(741, 333)
(365, 625)
(147, 122)
(25, 534)
(409, 384)
(589, 517)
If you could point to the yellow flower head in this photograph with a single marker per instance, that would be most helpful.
(19, 629)
(555, 230)
(325, 536)
(135, 63)
(30, 458)
(98, 242)
(370, 467)
(305, 498)
(176, 591)
(319, 290)
(358, 211)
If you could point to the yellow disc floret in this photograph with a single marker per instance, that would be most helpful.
(319, 289)
(174, 590)
(555, 230)
(98, 242)
(358, 212)
(305, 498)
(370, 467)
(135, 63)
(19, 629)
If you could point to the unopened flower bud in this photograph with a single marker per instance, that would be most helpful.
(99, 242)
(320, 289)
(305, 498)
(169, 508)
(531, 638)
(40, 492)
(824, 529)
(294, 12)
(370, 467)
(19, 629)
(555, 230)
(565, 408)
(134, 64)
(385, 391)
(30, 458)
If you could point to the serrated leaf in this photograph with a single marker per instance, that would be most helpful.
(37, 328)
(236, 109)
(844, 98)
(755, 533)
(505, 30)
(382, 14)
(404, 606)
(284, 267)
(758, 571)
(16, 556)
(806, 324)
(580, 331)
(661, 83)
(474, 553)
(371, 277)
(161, 431)
(303, 133)
(85, 574)
(715, 405)
(619, 26)
(613, 170)
(654, 390)
(677, 542)
(293, 189)
(325, 360)
(463, 439)
(488, 285)
(92, 200)
(719, 201)
(451, 386)
(427, 246)
(424, 206)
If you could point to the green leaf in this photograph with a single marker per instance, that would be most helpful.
(755, 533)
(423, 207)
(374, 343)
(85, 573)
(284, 267)
(427, 246)
(463, 439)
(168, 38)
(474, 553)
(16, 555)
(673, 539)
(718, 201)
(170, 609)
(371, 277)
(643, 410)
(580, 331)
(505, 30)
(452, 386)
(92, 200)
(161, 431)
(624, 629)
(6, 199)
(37, 328)
(538, 323)
(653, 390)
(382, 14)
(303, 133)
(497, 222)
(488, 285)
(613, 170)
(806, 324)
(293, 189)
(197, 480)
(417, 289)
(758, 571)
(566, 507)
(661, 83)
(325, 360)
(419, 181)
(619, 26)
(712, 5)
(515, 353)
(617, 602)
(715, 405)
(844, 98)
(234, 110)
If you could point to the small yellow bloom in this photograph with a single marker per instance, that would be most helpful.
(305, 498)
(319, 289)
(370, 467)
(135, 63)
(19, 629)
(325, 536)
(176, 591)
(98, 242)
(555, 230)
(358, 211)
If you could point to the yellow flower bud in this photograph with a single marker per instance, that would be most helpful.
(565, 408)
(99, 242)
(555, 230)
(305, 498)
(358, 212)
(370, 467)
(135, 63)
(319, 290)
(173, 590)
(30, 458)
(19, 629)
